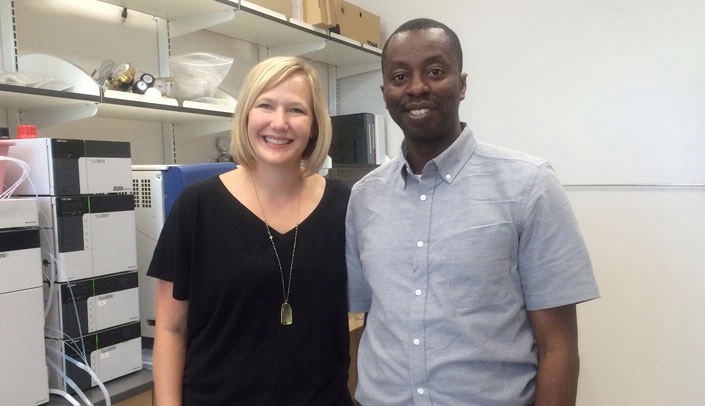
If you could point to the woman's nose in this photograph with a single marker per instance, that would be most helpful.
(279, 119)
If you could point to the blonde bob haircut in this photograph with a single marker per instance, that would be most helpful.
(263, 77)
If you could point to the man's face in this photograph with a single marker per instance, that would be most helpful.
(422, 85)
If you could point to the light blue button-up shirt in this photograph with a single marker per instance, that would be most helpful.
(448, 263)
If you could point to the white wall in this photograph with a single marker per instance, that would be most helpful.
(610, 92)
(607, 79)
(642, 342)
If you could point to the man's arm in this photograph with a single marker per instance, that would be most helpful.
(556, 332)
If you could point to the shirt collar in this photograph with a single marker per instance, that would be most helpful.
(449, 162)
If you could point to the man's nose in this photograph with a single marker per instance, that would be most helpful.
(418, 85)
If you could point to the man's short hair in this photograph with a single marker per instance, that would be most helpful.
(426, 24)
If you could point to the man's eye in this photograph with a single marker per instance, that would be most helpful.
(398, 77)
(435, 72)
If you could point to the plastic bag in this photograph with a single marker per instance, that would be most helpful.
(197, 74)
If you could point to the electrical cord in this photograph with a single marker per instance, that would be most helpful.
(65, 395)
(68, 343)
(52, 286)
(69, 381)
(25, 175)
(87, 369)
(51, 277)
(46, 264)
(78, 318)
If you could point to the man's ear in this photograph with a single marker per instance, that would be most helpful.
(463, 85)
(381, 88)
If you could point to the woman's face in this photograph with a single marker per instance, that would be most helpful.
(280, 121)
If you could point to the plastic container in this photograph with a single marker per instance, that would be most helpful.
(4, 148)
(197, 74)
(26, 131)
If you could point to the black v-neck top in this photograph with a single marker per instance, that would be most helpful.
(219, 257)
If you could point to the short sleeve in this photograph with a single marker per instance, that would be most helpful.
(172, 255)
(359, 291)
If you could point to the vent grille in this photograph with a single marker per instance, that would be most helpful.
(136, 192)
(142, 189)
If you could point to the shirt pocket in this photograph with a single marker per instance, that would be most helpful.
(480, 266)
(480, 286)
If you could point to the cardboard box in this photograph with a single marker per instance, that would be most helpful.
(359, 24)
(280, 6)
(321, 13)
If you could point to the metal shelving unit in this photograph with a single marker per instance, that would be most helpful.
(252, 23)
(270, 31)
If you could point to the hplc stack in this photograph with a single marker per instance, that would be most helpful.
(87, 219)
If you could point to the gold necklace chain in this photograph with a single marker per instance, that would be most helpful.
(286, 313)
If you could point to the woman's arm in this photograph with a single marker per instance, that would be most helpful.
(169, 346)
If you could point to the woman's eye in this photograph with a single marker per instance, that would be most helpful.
(264, 106)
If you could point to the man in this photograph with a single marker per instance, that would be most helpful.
(467, 256)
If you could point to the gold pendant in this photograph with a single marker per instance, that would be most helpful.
(286, 316)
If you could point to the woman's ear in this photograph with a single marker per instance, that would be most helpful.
(314, 130)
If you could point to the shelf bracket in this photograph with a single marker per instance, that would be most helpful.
(8, 43)
(163, 46)
(185, 25)
(332, 90)
(346, 71)
(298, 49)
(169, 143)
(48, 116)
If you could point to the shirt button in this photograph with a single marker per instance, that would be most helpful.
(419, 244)
(423, 198)
(420, 391)
(448, 176)
(417, 341)
(417, 292)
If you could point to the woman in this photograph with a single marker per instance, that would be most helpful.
(251, 298)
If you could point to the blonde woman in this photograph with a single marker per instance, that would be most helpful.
(251, 299)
